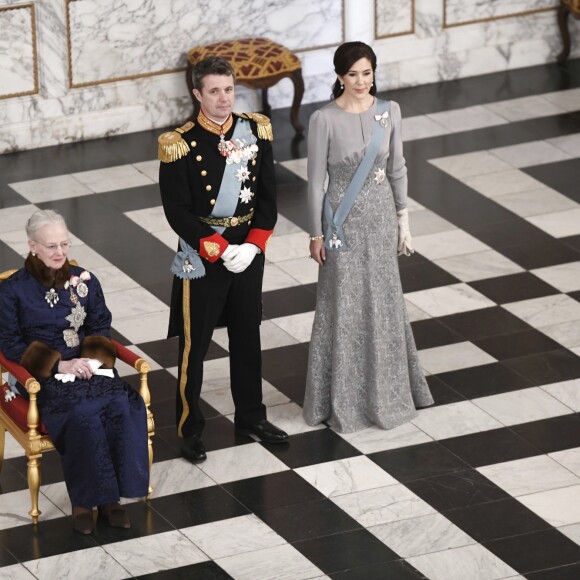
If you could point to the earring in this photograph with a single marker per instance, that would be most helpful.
(33, 254)
(341, 87)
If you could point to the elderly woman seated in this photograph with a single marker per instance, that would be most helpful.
(55, 323)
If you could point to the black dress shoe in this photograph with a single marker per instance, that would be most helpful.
(264, 431)
(192, 449)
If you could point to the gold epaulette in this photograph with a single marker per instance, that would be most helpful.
(172, 146)
(264, 125)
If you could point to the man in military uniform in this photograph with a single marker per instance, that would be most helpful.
(219, 195)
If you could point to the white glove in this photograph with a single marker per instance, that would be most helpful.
(405, 243)
(241, 258)
(95, 364)
(227, 253)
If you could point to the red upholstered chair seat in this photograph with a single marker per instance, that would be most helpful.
(16, 407)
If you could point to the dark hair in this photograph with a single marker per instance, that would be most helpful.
(211, 65)
(345, 56)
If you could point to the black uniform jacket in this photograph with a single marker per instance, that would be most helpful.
(190, 185)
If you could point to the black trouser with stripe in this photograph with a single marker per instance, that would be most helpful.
(235, 299)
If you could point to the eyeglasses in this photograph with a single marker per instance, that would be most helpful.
(52, 248)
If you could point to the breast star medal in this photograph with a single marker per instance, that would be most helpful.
(77, 316)
(379, 175)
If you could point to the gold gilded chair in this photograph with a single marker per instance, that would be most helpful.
(21, 417)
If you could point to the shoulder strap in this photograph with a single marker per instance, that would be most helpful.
(171, 145)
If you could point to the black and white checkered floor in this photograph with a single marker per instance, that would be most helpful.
(484, 485)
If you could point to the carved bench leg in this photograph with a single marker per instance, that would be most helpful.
(563, 13)
(34, 486)
(298, 82)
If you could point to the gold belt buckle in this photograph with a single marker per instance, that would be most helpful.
(234, 221)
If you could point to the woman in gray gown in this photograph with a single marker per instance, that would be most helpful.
(363, 367)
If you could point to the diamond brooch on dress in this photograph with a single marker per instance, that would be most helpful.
(380, 175)
(51, 297)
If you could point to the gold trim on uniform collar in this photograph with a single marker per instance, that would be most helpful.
(214, 127)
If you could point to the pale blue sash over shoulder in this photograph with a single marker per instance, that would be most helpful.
(335, 238)
(187, 263)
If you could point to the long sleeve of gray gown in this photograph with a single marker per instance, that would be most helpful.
(318, 140)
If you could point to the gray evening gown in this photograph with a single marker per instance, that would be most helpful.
(363, 367)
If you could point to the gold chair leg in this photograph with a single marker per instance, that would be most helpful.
(2, 444)
(34, 486)
(150, 490)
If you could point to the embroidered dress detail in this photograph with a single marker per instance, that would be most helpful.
(51, 297)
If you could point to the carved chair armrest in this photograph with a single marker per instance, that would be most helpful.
(18, 371)
(33, 388)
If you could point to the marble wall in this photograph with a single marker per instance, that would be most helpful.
(82, 69)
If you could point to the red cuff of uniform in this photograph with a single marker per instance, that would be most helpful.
(259, 238)
(212, 247)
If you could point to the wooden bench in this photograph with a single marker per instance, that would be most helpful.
(259, 63)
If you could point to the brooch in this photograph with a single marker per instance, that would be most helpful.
(380, 175)
(383, 119)
(51, 297)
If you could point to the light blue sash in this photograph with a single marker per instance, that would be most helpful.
(335, 238)
(187, 263)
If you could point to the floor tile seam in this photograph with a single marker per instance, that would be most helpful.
(485, 544)
(443, 511)
(470, 227)
(519, 497)
(552, 396)
(552, 528)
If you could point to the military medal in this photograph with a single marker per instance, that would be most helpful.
(335, 242)
(51, 297)
(71, 337)
(77, 316)
(78, 313)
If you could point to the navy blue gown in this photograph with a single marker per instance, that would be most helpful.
(98, 426)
